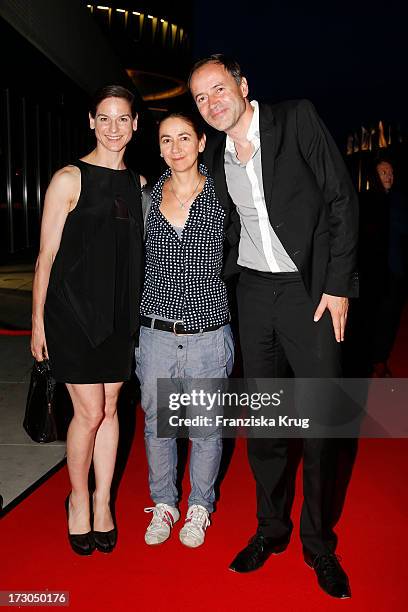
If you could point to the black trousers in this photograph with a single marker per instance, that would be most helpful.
(277, 306)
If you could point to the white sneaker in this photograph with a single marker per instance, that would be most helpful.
(159, 529)
(192, 533)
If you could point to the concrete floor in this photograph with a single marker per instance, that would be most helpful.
(23, 462)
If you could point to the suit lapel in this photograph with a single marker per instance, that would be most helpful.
(268, 150)
(219, 176)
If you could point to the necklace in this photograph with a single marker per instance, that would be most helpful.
(182, 204)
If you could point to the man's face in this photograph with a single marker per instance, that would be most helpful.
(219, 98)
(385, 174)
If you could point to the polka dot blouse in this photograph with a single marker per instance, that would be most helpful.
(182, 279)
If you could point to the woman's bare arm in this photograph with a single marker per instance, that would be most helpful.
(61, 197)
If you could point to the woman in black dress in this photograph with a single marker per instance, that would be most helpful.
(85, 302)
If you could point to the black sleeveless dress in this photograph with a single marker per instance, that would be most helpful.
(92, 305)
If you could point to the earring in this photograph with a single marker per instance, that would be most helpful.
(161, 154)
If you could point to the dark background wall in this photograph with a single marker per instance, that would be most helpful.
(53, 56)
(349, 58)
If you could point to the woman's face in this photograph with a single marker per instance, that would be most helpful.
(113, 124)
(179, 143)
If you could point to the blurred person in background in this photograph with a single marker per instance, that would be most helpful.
(383, 261)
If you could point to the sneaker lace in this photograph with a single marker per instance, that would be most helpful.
(160, 515)
(197, 518)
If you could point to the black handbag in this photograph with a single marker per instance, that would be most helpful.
(48, 409)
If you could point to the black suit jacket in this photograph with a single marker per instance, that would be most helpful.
(311, 202)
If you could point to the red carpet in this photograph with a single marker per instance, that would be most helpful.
(372, 533)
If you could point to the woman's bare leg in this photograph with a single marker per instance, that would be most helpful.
(88, 402)
(104, 458)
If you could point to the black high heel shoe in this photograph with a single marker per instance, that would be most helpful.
(81, 543)
(105, 541)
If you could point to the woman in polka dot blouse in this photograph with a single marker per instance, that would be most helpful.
(185, 333)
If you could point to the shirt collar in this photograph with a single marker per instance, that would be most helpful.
(253, 130)
(156, 194)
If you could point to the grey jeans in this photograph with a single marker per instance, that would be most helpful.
(162, 354)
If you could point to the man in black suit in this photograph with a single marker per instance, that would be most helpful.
(293, 217)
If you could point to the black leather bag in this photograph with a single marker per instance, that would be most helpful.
(48, 409)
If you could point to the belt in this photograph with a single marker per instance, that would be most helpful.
(177, 327)
(273, 275)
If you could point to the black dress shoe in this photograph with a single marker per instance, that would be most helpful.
(330, 575)
(81, 543)
(258, 550)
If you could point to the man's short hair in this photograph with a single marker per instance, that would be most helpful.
(229, 63)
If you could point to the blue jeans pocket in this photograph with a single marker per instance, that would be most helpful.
(225, 348)
(138, 369)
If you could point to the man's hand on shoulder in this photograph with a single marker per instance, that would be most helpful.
(338, 307)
